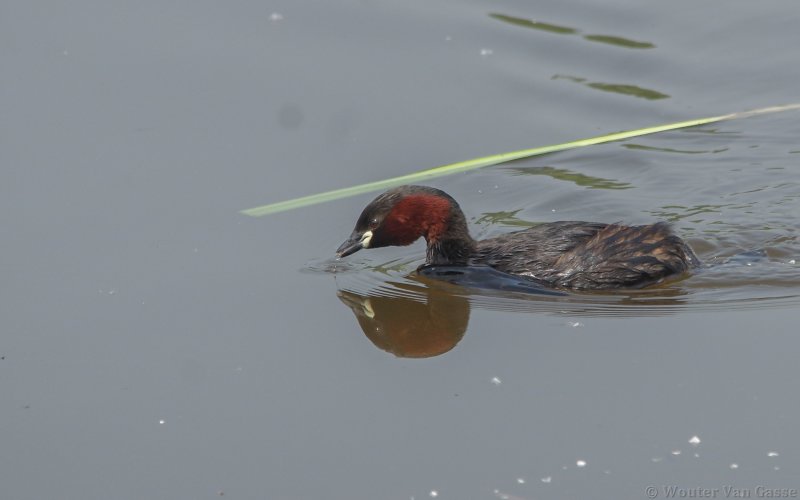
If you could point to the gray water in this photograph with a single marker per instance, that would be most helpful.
(154, 343)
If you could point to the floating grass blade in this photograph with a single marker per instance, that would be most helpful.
(486, 161)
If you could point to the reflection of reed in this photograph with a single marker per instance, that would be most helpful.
(618, 41)
(537, 25)
(577, 178)
(642, 147)
(616, 88)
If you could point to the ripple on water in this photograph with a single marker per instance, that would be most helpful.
(707, 290)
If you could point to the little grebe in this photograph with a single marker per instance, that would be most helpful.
(567, 254)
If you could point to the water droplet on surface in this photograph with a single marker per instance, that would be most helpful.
(694, 440)
(521, 480)
(276, 16)
(676, 452)
(486, 52)
(434, 493)
(773, 454)
(581, 463)
(496, 381)
(734, 466)
(547, 479)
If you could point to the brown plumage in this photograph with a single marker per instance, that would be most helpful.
(568, 254)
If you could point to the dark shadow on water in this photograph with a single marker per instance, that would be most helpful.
(486, 278)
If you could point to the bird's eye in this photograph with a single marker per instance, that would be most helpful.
(373, 224)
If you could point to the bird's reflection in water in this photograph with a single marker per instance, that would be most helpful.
(431, 317)
(428, 322)
(427, 313)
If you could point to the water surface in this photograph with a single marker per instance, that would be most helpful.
(156, 344)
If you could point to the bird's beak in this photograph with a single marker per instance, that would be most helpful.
(354, 243)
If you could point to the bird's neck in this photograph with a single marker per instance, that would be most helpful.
(453, 246)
